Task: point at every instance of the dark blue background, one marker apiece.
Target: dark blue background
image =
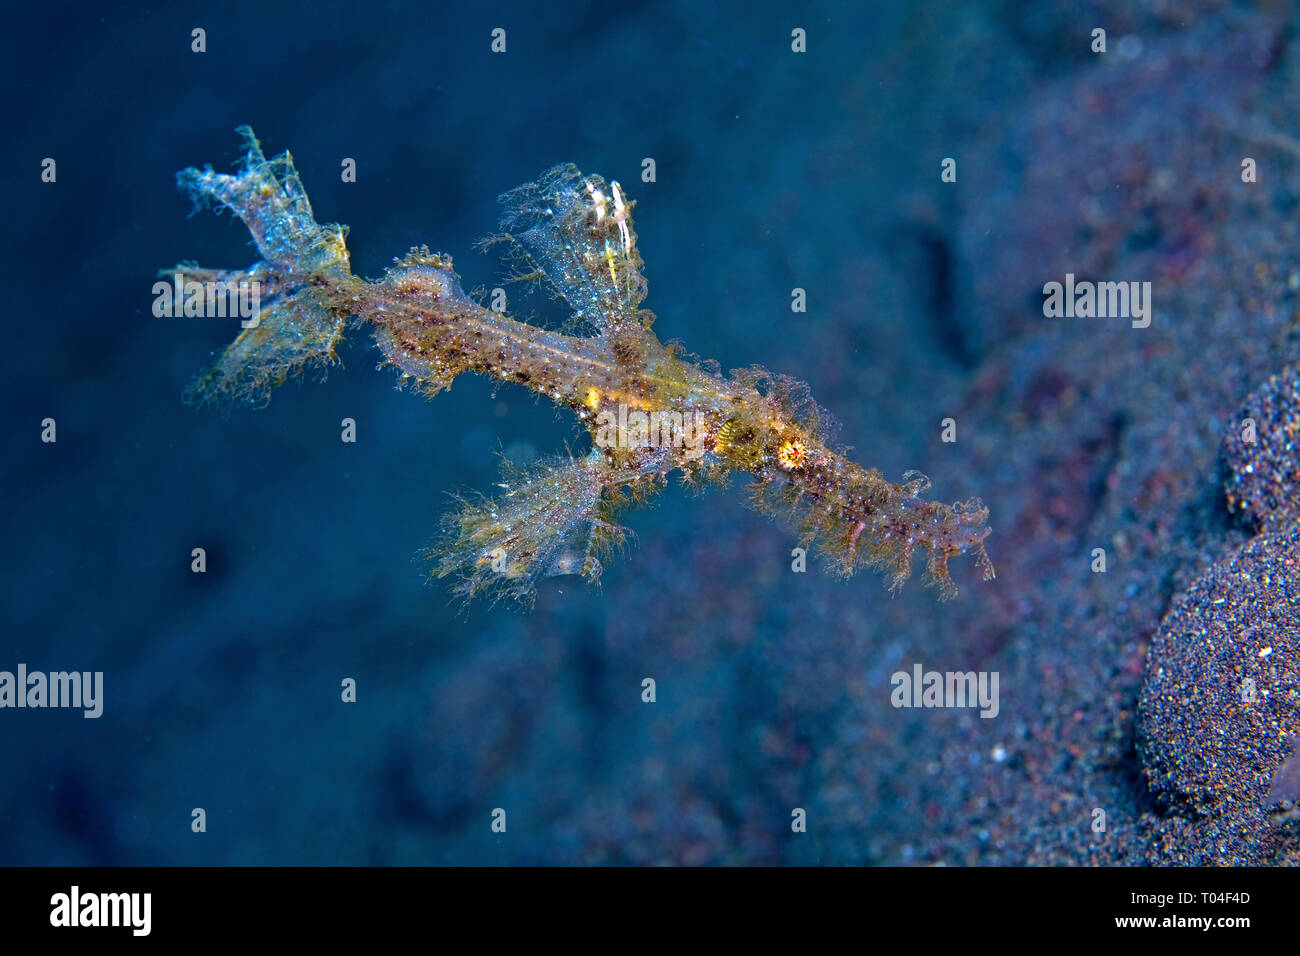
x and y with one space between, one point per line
775 170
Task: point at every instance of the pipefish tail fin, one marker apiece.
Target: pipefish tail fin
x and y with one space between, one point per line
554 519
303 284
574 233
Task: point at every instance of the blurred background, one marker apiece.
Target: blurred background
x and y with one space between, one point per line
775 170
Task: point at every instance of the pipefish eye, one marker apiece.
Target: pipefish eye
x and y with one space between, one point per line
792 454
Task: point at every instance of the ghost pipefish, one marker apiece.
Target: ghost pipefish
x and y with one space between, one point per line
650 409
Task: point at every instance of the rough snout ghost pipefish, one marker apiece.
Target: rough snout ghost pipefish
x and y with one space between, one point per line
651 410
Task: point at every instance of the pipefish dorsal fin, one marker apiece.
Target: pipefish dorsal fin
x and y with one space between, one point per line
574 233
